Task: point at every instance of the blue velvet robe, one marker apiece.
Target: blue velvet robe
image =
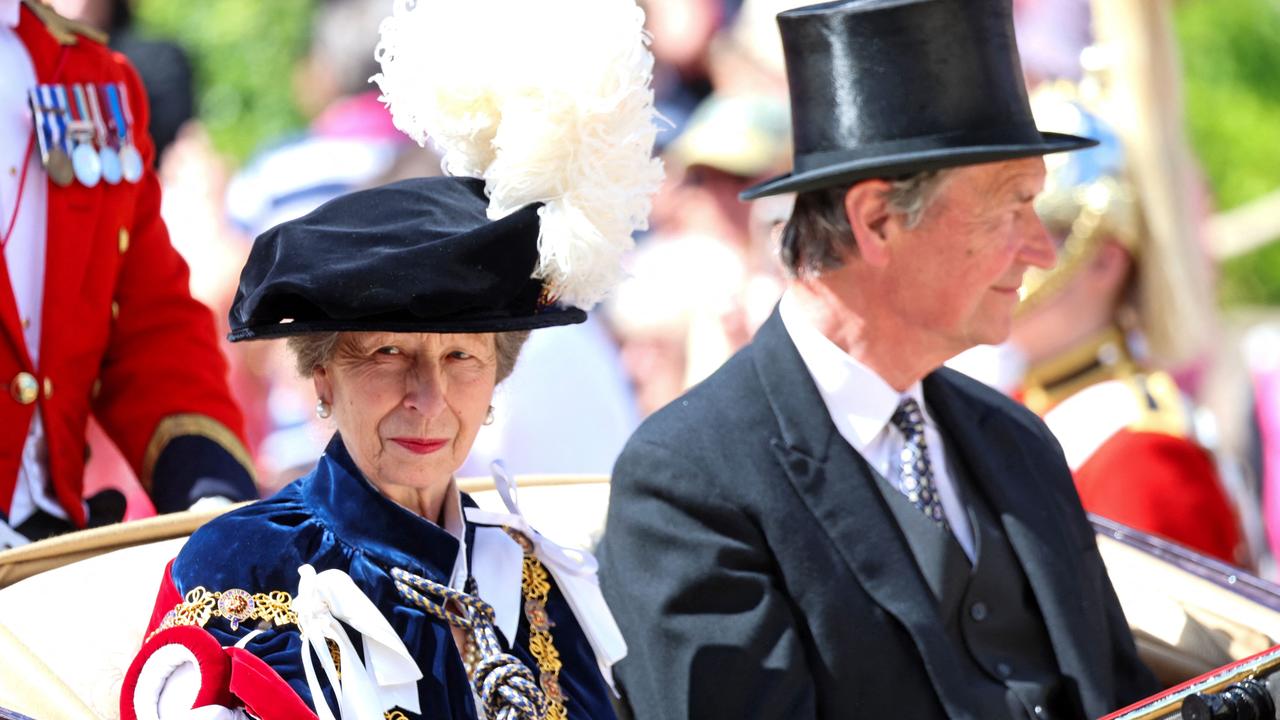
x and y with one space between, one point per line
334 519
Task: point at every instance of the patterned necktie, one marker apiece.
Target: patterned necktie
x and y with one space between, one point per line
916 481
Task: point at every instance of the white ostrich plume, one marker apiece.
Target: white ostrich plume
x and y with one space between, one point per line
546 100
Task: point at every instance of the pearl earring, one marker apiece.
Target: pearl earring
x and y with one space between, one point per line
323 411
488 418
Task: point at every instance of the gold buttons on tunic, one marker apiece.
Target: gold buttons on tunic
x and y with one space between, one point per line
24 388
96 390
124 240
48 388
115 310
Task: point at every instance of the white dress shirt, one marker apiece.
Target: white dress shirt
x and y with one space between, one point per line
24 254
861 405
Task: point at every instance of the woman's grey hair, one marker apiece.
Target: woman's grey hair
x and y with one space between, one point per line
817 238
313 350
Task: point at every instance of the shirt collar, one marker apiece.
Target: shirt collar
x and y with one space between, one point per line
10 10
859 401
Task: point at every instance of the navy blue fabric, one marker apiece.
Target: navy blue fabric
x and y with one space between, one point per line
194 467
334 519
419 255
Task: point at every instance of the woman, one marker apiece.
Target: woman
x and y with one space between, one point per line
372 587
405 365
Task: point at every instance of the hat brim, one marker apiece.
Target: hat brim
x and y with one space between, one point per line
912 162
549 318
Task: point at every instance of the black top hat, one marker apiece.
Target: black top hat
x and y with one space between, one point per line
415 256
881 88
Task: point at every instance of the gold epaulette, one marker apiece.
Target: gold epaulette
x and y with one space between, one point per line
1104 356
1164 409
65 30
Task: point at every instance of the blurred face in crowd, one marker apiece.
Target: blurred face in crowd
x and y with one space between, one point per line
1085 304
409 405
681 30
951 281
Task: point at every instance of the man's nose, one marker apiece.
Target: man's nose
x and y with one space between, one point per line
1038 247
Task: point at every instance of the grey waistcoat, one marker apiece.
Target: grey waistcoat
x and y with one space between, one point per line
988 608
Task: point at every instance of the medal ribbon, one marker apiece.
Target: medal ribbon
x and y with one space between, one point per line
99 125
63 118
55 115
82 109
40 120
128 114
117 119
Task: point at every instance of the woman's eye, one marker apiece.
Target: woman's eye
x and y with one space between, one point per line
388 350
460 355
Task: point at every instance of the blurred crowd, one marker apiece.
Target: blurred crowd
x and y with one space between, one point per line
703 277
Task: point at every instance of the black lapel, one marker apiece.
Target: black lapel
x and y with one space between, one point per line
837 487
1000 467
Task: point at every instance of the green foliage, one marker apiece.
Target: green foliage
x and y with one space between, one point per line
243 52
1231 60
1252 279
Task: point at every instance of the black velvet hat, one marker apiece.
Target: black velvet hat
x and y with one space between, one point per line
419 255
882 88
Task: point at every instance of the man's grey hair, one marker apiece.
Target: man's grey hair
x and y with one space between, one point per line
313 350
818 237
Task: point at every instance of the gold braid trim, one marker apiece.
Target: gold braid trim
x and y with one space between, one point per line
175 426
535 585
199 606
1105 356
62 29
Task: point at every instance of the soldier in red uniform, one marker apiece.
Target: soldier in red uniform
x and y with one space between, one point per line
1097 328
95 311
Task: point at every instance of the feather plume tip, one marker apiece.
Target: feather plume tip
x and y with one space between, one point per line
548 102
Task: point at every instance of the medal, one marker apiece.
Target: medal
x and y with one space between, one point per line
59 163
130 159
107 153
84 158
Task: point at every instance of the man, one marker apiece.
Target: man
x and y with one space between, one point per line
831 526
95 312
1095 328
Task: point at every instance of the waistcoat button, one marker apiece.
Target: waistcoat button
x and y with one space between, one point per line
978 611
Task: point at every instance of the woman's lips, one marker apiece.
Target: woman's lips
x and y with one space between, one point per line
419 446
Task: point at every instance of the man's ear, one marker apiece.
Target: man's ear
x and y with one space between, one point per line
866 205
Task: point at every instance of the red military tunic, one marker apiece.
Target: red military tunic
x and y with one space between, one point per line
1162 484
121 336
1127 438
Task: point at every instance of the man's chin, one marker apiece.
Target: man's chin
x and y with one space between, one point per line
995 334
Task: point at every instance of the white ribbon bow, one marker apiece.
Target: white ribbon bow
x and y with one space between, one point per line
387 678
574 572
